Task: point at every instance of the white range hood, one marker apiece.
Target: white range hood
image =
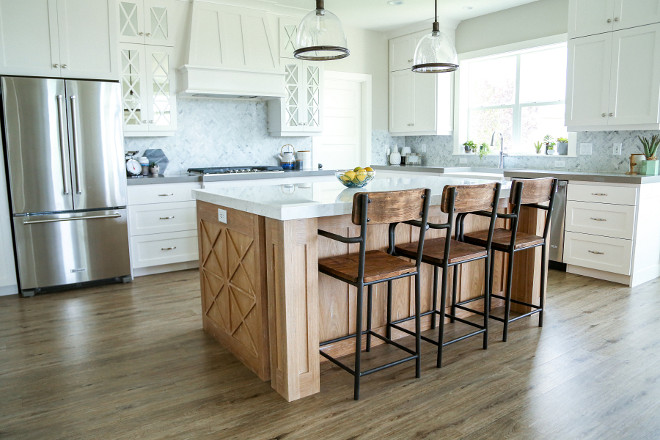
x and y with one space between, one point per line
233 53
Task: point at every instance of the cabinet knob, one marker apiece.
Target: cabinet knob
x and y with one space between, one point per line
611 114
411 125
609 20
604 115
410 60
64 66
616 19
148 34
56 66
141 34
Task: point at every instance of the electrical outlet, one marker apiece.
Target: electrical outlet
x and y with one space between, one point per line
462 161
616 149
222 216
560 163
586 148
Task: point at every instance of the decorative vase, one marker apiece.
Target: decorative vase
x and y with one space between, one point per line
650 167
550 151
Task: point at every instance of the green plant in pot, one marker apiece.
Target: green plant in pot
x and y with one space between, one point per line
470 147
538 146
484 150
650 166
549 145
562 146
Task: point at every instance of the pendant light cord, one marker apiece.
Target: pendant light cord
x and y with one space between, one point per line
436 10
436 25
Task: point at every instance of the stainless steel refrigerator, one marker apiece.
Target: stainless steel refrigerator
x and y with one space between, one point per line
67 185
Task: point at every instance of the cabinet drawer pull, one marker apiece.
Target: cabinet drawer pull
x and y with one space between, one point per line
166 195
596 219
599 194
596 252
174 247
411 125
167 218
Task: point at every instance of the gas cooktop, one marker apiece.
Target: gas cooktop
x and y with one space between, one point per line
236 170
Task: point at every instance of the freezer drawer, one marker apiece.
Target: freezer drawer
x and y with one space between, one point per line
58 249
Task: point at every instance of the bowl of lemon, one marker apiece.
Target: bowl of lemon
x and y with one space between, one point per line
357 177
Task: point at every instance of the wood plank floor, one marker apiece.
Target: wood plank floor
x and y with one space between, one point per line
131 362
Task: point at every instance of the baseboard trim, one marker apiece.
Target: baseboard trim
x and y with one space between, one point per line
599 274
9 290
143 271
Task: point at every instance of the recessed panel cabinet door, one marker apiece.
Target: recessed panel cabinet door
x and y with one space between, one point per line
588 82
402 109
88 40
588 17
629 13
29 38
402 51
425 101
635 77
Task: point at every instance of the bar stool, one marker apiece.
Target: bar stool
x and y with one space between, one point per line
531 193
366 268
446 253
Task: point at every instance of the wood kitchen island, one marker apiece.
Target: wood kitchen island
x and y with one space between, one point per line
263 297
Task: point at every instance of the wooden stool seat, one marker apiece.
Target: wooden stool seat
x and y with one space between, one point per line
502 239
434 251
378 265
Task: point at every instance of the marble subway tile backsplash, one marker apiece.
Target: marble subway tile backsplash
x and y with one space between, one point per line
218 132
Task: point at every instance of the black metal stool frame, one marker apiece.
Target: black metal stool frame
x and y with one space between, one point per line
360 284
511 250
481 329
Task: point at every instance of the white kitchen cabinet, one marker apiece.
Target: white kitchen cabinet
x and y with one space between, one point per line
420 104
8 284
402 51
611 231
614 80
145 22
589 17
59 38
299 112
162 227
147 90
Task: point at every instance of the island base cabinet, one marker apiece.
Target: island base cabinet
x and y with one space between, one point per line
234 302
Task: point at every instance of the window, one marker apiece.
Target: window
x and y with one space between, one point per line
520 94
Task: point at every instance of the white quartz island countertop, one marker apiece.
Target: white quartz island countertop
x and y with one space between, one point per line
325 196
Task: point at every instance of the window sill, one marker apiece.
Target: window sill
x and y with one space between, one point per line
549 156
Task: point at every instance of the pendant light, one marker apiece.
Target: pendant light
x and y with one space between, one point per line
434 52
320 36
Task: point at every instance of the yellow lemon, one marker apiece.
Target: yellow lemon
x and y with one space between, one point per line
344 178
350 175
356 169
361 175
369 169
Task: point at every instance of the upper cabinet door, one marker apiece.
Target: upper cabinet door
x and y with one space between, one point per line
134 88
402 103
402 52
425 95
587 85
157 23
588 17
288 34
629 13
162 102
88 39
635 83
29 42
131 21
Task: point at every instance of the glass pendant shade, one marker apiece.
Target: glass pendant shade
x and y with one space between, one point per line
435 54
320 36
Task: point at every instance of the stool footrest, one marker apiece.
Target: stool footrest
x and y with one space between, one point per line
467 301
445 343
390 364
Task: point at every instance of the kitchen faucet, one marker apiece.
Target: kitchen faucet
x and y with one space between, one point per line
492 144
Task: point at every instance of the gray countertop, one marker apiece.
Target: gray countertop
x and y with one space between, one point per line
151 180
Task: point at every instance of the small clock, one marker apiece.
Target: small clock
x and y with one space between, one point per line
133 167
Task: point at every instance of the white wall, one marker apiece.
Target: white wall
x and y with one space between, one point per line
527 22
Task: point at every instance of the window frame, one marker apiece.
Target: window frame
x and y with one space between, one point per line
461 112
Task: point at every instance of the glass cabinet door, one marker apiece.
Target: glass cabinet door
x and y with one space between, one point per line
161 102
132 85
157 23
313 94
292 100
131 21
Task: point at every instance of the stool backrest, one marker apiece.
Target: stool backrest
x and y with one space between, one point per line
390 206
469 198
534 192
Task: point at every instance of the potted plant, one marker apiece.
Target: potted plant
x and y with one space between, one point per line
562 146
650 166
484 149
470 147
549 145
538 146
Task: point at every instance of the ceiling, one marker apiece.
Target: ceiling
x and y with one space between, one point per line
381 16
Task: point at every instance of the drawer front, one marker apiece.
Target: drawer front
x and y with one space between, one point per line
617 195
617 221
162 217
159 193
596 252
154 250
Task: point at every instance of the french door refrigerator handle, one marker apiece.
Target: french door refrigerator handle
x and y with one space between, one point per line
70 219
60 117
74 129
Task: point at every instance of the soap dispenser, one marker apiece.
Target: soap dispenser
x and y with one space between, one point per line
395 156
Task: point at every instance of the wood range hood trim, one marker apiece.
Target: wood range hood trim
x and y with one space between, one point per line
232 53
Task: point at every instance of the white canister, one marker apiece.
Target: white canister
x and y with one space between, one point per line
305 159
